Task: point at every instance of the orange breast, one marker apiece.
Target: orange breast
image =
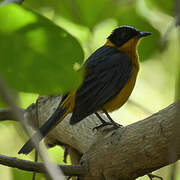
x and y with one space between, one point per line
123 95
130 49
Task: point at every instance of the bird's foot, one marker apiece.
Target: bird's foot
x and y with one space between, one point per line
114 124
151 176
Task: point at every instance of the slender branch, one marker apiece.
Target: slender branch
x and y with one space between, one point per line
10 99
6 114
68 170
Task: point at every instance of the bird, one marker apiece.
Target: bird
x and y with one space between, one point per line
109 76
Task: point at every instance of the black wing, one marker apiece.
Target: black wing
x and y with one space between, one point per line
107 72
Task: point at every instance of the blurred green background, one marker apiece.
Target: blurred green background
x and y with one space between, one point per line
43 41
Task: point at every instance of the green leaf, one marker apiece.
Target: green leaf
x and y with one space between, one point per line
148 46
165 6
92 11
2 105
21 175
83 12
37 56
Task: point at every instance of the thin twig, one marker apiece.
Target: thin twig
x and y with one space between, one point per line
9 98
6 114
68 170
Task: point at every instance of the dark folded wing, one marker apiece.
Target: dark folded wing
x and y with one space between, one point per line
104 80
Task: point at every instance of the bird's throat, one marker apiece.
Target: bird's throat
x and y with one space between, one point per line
129 48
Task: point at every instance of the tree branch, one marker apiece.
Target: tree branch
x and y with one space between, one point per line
136 150
8 96
71 170
116 152
6 114
127 153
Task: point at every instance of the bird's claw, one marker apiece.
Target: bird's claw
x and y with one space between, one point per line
115 125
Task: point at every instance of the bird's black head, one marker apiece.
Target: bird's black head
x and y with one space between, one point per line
122 34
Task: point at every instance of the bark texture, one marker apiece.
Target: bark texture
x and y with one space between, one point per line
136 150
124 153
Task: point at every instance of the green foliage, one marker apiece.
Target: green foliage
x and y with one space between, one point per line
22 175
2 104
86 12
177 90
165 6
36 55
90 13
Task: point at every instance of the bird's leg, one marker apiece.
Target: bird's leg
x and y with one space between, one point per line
104 123
151 176
100 118
112 121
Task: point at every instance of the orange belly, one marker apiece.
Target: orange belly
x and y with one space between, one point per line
128 48
123 95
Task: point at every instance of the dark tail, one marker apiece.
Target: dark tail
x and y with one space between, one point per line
57 116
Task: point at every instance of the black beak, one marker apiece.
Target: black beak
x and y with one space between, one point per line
143 34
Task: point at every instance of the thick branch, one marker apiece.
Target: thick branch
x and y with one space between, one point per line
131 152
127 153
72 170
136 150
